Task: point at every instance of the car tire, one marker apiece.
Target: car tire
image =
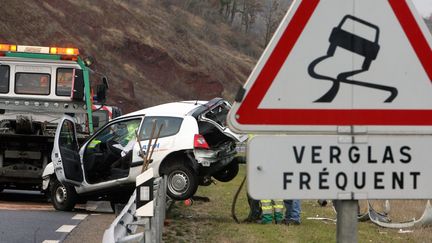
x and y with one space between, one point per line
182 183
228 173
63 197
117 207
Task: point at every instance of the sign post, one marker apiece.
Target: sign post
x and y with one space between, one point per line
349 84
346 226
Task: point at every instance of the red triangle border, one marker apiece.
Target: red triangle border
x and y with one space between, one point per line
249 114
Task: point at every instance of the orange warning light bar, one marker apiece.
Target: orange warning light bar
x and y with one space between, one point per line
64 51
7 47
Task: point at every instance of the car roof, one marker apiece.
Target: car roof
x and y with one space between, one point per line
178 109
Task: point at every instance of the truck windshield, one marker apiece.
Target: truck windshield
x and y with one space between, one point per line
4 79
32 83
64 81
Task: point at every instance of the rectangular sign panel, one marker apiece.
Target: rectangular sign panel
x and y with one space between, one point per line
340 167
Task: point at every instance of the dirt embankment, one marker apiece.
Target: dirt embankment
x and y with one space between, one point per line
150 53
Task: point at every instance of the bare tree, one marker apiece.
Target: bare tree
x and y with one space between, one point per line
250 9
225 8
234 10
271 14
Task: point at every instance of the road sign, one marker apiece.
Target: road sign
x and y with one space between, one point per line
339 167
341 63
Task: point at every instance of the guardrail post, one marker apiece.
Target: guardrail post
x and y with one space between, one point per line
146 208
144 194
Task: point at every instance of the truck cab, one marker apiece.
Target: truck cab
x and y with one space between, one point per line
38 85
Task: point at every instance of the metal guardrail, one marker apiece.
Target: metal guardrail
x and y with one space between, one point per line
126 227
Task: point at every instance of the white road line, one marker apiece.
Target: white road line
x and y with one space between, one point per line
66 228
79 216
50 241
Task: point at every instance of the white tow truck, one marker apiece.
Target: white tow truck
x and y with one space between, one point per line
38 85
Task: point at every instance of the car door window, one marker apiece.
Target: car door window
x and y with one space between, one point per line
68 146
171 126
108 155
68 139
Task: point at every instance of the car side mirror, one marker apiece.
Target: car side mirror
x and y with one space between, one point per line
78 85
88 61
95 121
105 82
101 90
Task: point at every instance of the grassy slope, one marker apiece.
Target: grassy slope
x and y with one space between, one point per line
212 222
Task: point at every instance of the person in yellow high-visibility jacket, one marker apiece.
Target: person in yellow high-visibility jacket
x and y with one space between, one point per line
272 209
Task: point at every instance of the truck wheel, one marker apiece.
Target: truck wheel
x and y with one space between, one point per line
182 182
228 173
63 197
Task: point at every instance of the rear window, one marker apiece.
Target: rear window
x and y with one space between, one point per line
4 79
32 83
171 126
218 114
64 81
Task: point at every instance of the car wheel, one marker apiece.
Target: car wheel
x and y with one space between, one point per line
228 173
117 207
63 197
182 182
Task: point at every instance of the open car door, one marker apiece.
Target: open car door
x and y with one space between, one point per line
65 155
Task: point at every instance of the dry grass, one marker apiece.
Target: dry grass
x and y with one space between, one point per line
212 222
188 53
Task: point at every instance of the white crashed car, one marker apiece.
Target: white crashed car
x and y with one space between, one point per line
193 146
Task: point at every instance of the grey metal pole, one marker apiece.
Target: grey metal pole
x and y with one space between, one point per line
346 226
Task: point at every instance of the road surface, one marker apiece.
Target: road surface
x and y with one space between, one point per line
26 216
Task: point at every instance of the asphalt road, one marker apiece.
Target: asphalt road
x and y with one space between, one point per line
35 226
26 216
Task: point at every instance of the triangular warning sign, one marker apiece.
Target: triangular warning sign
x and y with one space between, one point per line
341 63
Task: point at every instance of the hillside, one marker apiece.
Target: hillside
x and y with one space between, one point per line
151 53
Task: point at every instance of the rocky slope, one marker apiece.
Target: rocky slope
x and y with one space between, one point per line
151 53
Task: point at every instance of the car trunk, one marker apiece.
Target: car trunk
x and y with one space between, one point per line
221 147
221 141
